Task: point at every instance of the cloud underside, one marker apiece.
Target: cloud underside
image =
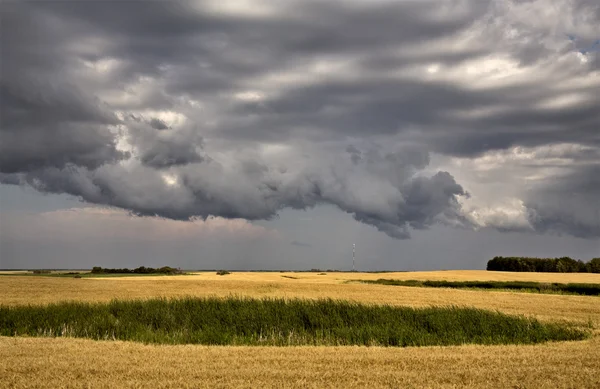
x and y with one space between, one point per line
404 114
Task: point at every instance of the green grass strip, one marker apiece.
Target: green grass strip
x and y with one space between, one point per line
525 286
278 322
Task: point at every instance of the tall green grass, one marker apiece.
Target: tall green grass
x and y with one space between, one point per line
242 321
526 286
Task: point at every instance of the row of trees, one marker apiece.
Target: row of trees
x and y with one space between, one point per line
137 270
547 265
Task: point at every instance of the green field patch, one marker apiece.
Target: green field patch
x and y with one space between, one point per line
277 322
524 286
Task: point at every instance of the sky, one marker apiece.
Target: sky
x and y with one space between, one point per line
255 134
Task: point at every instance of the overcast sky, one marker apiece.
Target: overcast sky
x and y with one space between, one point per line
274 134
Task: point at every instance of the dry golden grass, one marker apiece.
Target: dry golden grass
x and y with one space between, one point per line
26 362
40 362
448 275
42 290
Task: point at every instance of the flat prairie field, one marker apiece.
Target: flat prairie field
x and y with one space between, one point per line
69 362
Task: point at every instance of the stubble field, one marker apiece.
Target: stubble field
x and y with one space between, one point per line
66 362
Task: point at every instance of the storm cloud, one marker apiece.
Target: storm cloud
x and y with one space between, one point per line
401 114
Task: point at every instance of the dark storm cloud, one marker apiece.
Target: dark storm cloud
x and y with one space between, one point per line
388 107
182 31
45 119
164 147
52 125
355 154
158 124
568 205
382 191
164 154
300 244
82 82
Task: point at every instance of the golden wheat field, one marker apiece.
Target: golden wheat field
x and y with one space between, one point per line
63 362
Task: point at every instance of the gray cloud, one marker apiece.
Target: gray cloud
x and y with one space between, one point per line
164 147
158 124
568 205
300 244
183 110
165 154
46 119
382 191
355 154
53 125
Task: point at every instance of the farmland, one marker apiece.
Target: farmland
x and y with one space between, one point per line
25 361
532 287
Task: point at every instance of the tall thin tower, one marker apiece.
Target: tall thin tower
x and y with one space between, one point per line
353 255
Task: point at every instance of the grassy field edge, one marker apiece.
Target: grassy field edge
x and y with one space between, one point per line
521 286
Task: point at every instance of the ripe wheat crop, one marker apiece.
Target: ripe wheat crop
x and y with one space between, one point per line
526 286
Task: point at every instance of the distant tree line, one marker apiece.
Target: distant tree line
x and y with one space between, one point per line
137 270
544 265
